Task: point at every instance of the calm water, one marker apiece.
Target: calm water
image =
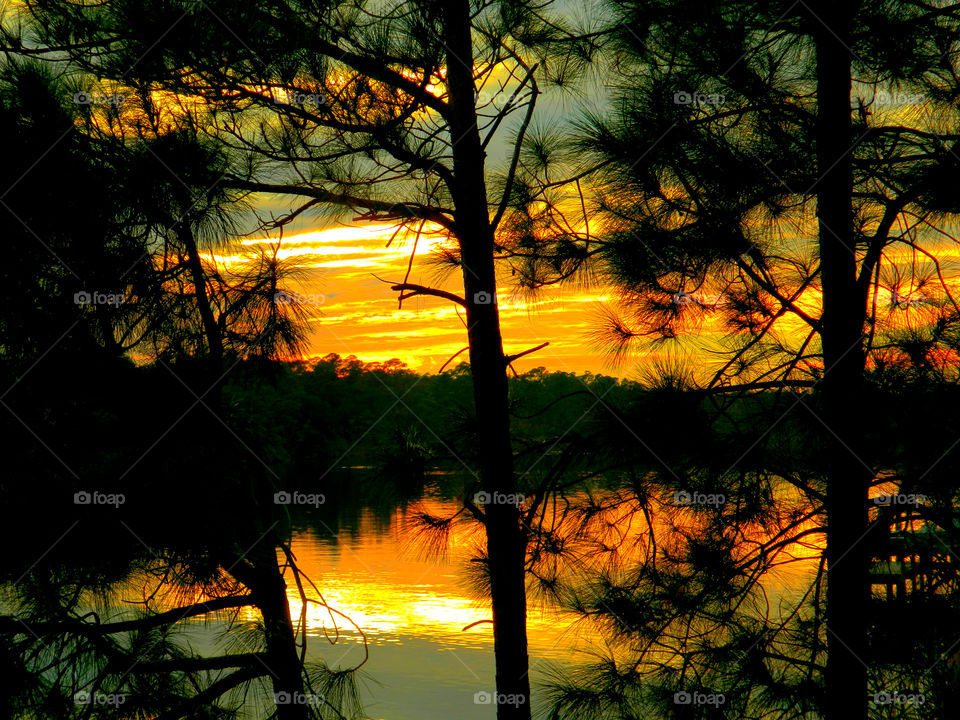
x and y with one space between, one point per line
413 609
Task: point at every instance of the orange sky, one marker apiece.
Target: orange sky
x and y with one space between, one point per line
354 313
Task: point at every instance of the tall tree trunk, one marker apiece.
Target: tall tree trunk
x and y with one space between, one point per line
506 541
843 315
263 577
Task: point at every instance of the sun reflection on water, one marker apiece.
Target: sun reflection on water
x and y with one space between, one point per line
392 592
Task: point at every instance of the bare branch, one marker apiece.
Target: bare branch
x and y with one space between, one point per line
415 290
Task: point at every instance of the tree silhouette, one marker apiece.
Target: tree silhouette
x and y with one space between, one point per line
747 194
136 235
385 111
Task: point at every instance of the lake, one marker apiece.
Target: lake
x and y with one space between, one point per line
430 649
413 607
413 610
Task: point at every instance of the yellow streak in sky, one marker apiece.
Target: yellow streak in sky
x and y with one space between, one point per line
359 314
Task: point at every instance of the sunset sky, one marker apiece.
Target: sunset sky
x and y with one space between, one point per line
354 313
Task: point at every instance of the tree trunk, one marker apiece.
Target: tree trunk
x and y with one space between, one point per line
262 576
842 328
506 541
211 330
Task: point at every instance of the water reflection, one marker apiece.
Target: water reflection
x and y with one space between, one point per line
413 610
380 578
430 650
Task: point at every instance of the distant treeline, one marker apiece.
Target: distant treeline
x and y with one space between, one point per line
313 416
308 423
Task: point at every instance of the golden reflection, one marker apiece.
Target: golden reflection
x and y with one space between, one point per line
395 593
